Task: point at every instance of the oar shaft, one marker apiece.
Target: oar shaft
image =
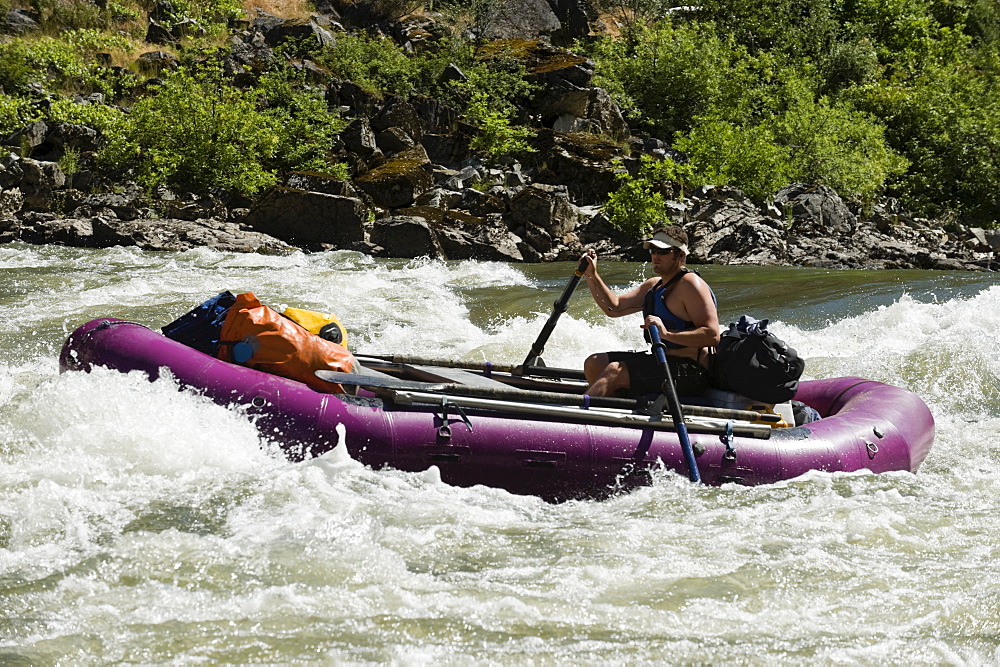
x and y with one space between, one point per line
572 415
670 391
527 395
558 309
484 366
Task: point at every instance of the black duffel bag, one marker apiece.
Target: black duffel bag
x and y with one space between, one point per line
755 363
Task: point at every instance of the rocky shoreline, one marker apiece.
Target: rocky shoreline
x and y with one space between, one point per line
528 222
418 189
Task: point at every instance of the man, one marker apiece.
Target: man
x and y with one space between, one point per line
678 302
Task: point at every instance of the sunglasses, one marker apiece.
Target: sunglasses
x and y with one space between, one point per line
663 251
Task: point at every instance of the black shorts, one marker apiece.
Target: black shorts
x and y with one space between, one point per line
646 375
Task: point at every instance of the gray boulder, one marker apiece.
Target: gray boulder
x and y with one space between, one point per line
485 239
393 140
815 209
316 181
38 183
49 141
147 234
588 110
545 207
303 217
518 19
128 205
399 114
407 236
154 62
11 202
725 227
21 21
359 138
10 170
157 33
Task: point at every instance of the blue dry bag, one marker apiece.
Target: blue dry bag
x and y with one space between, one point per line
200 328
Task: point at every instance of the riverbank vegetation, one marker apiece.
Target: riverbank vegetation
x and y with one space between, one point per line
871 97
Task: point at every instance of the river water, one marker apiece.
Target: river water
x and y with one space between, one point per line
143 524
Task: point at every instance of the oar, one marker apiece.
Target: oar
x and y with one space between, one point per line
576 416
547 397
670 391
484 366
558 309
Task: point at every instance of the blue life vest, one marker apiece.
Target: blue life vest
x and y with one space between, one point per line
655 303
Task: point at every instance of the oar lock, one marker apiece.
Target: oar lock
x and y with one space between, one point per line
727 440
870 446
444 431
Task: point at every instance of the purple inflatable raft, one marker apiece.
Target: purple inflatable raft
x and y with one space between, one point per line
557 452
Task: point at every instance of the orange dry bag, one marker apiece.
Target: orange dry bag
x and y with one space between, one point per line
256 336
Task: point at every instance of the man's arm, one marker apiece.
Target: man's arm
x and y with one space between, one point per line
614 305
697 307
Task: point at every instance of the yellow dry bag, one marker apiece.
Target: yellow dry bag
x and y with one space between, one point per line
324 325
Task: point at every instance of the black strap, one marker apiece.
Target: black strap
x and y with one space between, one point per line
647 304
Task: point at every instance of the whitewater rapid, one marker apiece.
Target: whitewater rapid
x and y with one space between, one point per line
140 523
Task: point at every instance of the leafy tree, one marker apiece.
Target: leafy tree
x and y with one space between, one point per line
835 145
374 63
946 121
674 74
795 28
848 64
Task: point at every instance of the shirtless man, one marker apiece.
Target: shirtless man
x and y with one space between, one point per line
678 302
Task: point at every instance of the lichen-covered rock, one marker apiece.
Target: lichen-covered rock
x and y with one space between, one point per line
400 181
582 162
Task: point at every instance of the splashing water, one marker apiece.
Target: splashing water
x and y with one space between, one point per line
140 523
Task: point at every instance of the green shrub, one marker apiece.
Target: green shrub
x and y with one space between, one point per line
637 207
306 129
901 30
212 15
946 121
497 135
673 74
195 133
375 64
53 63
796 28
15 113
71 14
88 42
634 16
835 145
499 81
98 116
723 153
848 64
